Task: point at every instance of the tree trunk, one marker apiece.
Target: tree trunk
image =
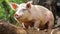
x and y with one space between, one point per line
35 2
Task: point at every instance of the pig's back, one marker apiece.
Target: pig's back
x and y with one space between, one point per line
41 13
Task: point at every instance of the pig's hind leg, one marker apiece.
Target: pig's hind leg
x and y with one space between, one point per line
50 25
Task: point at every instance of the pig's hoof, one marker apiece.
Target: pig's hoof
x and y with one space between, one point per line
37 29
45 30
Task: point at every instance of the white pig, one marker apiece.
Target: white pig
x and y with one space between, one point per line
31 15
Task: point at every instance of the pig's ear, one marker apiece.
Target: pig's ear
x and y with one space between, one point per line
13 5
28 5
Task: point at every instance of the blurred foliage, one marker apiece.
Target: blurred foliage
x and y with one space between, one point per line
6 13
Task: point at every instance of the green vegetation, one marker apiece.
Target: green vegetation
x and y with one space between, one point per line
6 13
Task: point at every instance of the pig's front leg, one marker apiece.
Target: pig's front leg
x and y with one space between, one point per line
36 25
23 25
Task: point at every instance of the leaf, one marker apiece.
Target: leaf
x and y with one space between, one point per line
7 1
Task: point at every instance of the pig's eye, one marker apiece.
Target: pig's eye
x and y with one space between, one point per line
23 9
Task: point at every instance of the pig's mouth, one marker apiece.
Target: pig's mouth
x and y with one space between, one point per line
18 19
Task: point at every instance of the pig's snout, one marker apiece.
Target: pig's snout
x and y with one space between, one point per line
16 15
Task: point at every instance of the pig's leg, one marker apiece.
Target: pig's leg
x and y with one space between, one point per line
26 25
50 25
23 25
36 25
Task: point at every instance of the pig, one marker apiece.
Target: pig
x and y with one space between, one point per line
35 16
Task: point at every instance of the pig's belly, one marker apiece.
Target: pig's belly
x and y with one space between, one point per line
45 19
44 23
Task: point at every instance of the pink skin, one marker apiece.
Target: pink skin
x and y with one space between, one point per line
33 15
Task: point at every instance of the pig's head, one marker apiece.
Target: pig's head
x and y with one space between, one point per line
22 10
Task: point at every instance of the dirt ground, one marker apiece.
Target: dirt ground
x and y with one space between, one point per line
54 31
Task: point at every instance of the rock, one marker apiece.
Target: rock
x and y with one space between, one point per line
7 28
